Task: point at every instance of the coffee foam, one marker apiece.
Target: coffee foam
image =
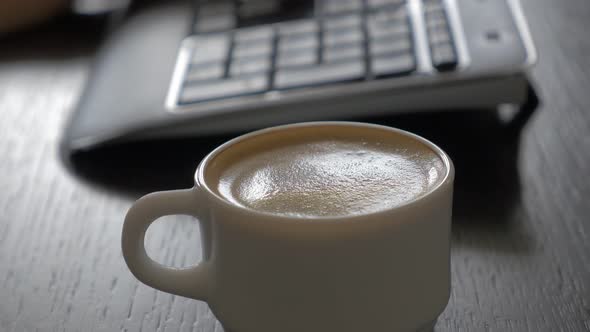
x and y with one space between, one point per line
325 174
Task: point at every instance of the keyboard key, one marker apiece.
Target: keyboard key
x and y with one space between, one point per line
436 18
253 9
431 6
393 65
264 33
216 8
380 3
208 71
308 26
340 6
298 42
390 46
439 36
389 15
322 74
353 51
215 23
343 22
233 87
333 38
443 57
252 49
306 57
387 29
249 66
212 47
215 16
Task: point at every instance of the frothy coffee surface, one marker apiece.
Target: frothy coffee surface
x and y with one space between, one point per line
329 176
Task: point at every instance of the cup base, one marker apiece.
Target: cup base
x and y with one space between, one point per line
429 327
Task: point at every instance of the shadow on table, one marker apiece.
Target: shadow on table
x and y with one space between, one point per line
483 147
135 169
485 151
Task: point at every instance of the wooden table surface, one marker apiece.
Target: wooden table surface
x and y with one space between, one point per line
521 229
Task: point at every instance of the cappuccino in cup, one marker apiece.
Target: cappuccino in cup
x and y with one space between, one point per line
324 226
326 172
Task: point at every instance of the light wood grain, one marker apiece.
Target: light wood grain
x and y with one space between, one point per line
521 233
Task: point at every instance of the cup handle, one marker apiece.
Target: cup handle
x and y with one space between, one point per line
189 282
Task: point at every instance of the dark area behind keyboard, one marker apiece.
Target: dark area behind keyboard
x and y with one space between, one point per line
253 47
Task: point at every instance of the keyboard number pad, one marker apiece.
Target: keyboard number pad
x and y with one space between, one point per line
442 48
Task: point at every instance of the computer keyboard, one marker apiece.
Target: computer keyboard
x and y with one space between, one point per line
222 67
345 41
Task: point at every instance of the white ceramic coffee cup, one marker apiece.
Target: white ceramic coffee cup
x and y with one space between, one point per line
384 271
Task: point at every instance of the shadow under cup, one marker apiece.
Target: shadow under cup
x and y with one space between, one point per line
387 270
